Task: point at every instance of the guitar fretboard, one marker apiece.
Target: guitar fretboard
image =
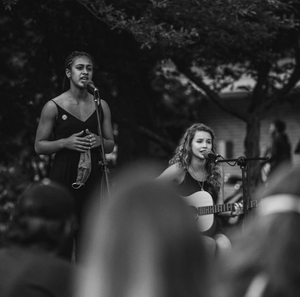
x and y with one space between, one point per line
203 210
215 209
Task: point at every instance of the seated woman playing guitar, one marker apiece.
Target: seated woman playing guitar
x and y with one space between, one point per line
199 179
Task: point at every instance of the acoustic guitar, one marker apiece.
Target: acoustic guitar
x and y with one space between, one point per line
204 208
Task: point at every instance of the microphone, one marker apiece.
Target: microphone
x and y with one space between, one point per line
90 87
209 155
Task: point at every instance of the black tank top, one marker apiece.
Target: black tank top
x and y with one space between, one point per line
65 163
189 186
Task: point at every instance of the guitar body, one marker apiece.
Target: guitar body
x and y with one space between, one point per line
203 208
201 199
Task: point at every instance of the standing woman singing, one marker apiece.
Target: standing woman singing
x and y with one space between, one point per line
68 128
195 176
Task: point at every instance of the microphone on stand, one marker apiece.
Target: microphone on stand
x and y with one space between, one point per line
90 87
209 155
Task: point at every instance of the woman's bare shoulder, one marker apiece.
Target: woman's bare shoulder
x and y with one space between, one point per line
50 108
60 99
174 173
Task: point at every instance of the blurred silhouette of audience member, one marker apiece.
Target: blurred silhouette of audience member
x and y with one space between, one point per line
297 148
279 150
42 222
144 243
265 258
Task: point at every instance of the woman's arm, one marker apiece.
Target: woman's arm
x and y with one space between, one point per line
108 136
107 131
45 145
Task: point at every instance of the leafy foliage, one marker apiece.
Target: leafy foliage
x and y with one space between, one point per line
9 3
225 39
210 43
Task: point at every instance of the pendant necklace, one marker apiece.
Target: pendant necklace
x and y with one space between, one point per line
201 184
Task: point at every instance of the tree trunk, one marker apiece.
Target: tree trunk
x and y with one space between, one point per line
253 151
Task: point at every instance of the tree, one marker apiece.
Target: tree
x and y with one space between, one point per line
225 39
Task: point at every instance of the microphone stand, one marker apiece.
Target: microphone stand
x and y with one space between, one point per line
242 162
102 163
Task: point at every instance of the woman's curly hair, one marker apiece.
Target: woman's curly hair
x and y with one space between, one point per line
183 154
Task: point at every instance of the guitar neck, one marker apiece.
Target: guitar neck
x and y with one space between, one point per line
215 208
203 210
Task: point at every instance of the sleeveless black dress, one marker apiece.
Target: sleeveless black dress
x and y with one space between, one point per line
65 163
190 186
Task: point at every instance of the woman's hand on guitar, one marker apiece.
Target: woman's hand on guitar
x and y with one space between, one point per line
238 209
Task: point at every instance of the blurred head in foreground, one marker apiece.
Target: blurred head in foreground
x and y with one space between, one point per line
144 242
44 217
265 257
